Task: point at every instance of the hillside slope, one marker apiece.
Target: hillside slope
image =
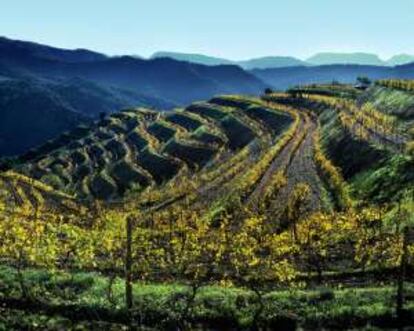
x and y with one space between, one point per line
175 81
345 58
312 188
30 115
141 150
283 78
34 111
255 63
84 84
137 148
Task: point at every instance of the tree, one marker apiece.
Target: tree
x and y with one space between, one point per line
268 91
28 240
256 256
382 240
364 80
102 115
298 200
319 236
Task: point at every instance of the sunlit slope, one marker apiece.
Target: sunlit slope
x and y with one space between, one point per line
333 142
368 136
18 192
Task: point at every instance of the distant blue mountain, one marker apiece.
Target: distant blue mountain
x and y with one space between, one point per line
193 58
257 63
269 62
283 78
44 90
10 48
358 58
345 58
400 59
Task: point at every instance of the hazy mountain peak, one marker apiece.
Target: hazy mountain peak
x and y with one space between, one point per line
192 57
360 58
255 63
271 62
11 48
400 59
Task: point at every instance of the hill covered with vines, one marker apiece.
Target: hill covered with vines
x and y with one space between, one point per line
295 190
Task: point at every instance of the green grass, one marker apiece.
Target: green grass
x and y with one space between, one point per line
238 134
163 304
349 153
134 139
207 138
78 157
207 111
195 156
126 175
188 123
391 101
277 122
230 101
117 149
102 187
102 134
161 132
160 168
394 174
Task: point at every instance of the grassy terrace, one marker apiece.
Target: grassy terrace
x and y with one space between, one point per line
133 148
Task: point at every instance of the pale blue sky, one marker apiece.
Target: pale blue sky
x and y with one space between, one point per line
228 28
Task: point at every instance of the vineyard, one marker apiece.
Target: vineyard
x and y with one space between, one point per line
293 209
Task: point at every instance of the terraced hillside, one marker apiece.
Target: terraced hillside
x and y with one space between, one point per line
369 137
312 186
137 149
227 150
21 192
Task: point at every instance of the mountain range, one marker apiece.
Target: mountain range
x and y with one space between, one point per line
284 78
290 61
46 90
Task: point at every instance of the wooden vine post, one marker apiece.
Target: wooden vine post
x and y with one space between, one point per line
408 239
128 265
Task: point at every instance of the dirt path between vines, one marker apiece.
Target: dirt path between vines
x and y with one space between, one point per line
299 167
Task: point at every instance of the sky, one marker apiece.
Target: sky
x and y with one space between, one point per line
226 28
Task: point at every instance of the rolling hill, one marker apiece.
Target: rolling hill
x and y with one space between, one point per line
89 83
400 59
33 111
358 59
11 48
166 79
345 58
30 114
256 63
283 78
82 84
140 149
134 149
193 58
270 62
